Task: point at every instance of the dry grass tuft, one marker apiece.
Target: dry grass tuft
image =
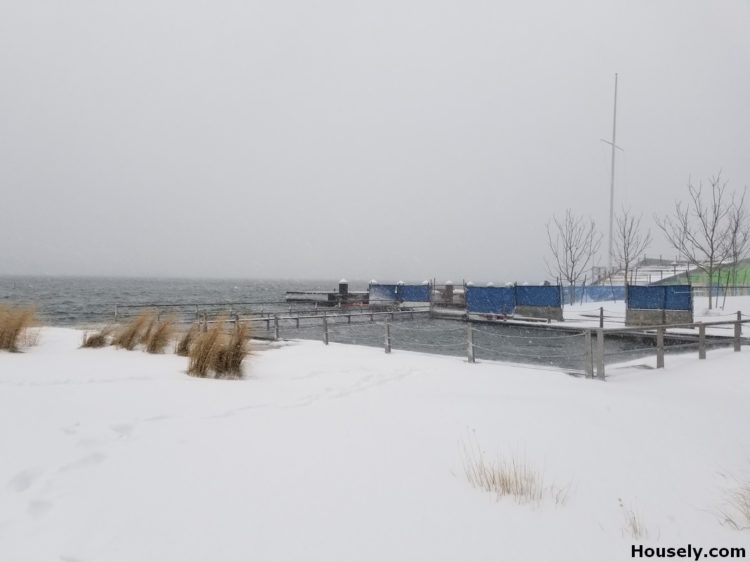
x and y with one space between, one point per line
232 351
30 336
634 527
97 339
184 343
737 515
204 350
152 319
514 478
14 327
132 333
159 335
736 511
218 354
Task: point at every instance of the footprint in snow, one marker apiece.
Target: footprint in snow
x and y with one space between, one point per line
23 480
123 430
39 508
70 430
156 418
84 462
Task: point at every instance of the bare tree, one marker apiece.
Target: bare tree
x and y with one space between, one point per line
699 230
739 232
630 241
573 242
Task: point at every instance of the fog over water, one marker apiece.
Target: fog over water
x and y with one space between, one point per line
392 140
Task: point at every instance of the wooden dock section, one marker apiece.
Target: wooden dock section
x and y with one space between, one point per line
341 297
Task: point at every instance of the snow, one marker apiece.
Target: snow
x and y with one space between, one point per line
339 453
586 315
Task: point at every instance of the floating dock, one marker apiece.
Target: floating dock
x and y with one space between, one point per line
341 297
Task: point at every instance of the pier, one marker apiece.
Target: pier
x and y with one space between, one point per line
340 297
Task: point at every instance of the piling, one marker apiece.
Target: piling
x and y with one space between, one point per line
470 343
660 348
738 332
588 355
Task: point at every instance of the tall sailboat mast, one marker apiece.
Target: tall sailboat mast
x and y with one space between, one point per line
613 144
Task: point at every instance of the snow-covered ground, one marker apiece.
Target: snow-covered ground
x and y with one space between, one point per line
344 453
587 314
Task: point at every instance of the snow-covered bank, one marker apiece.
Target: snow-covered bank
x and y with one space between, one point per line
587 314
344 453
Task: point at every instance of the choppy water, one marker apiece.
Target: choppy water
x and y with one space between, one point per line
77 301
70 301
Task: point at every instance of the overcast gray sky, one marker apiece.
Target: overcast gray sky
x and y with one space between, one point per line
391 139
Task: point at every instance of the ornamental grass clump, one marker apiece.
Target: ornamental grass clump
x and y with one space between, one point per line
14 325
97 339
203 352
159 335
132 333
183 344
217 354
232 351
152 319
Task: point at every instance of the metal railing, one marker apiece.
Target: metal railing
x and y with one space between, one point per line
586 345
595 352
581 351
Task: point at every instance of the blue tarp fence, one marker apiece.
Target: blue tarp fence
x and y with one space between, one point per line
538 295
503 300
490 300
382 293
661 297
414 293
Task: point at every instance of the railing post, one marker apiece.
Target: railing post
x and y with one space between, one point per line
205 322
601 317
660 348
738 332
600 354
275 326
325 330
588 355
470 342
116 312
197 314
701 340
387 342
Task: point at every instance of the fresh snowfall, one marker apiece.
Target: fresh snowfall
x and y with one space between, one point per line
345 453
